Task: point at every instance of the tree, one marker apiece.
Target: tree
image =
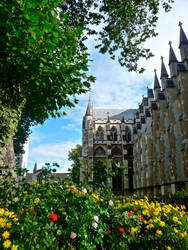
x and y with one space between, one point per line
42 65
74 156
122 26
43 59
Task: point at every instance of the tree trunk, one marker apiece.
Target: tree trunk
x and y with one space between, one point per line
7 157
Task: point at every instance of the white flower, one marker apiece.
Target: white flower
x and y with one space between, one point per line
96 218
94 224
84 191
110 203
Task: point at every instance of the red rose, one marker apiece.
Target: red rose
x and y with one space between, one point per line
52 217
130 214
121 229
109 231
141 217
133 209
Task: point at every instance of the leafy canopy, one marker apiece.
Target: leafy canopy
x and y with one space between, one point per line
42 65
123 26
43 59
74 156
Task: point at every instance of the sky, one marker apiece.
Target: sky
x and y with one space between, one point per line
114 87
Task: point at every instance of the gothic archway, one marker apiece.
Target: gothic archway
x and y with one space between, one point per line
99 151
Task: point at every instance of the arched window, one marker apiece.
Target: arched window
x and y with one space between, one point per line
116 151
127 134
114 133
100 134
99 151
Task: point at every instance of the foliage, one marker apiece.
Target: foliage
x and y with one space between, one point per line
7 221
22 133
59 215
74 156
42 65
122 26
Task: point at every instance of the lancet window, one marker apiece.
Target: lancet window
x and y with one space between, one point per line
128 134
100 134
114 133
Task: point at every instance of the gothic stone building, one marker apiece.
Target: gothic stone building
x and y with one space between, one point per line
151 141
108 133
161 129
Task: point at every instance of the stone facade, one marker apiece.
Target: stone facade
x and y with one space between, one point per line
107 133
161 129
151 141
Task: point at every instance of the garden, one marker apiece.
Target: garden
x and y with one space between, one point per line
61 215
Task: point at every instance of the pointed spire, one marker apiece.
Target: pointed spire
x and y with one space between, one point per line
163 69
172 56
89 110
108 117
156 81
123 118
183 38
35 168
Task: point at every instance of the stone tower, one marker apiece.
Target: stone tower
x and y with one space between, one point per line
108 133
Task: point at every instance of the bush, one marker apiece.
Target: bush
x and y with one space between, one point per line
60 215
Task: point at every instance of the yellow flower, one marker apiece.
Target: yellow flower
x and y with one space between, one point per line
9 225
15 219
175 230
2 211
156 212
149 226
168 248
182 235
162 223
175 219
25 192
132 231
14 247
6 234
159 232
7 244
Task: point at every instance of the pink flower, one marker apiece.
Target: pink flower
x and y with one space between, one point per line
96 218
73 235
110 203
84 191
94 224
109 231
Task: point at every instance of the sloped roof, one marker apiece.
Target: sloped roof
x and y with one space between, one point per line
114 114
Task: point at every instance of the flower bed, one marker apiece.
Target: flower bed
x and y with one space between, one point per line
61 216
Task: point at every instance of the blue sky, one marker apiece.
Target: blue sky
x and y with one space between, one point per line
114 88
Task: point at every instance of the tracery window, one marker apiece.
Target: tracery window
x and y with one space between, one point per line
100 134
116 151
128 134
99 151
114 133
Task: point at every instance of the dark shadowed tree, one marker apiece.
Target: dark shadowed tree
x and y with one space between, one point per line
74 156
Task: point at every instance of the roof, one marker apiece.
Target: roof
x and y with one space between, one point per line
114 114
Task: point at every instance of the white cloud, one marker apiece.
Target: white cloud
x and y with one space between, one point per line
115 87
52 153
